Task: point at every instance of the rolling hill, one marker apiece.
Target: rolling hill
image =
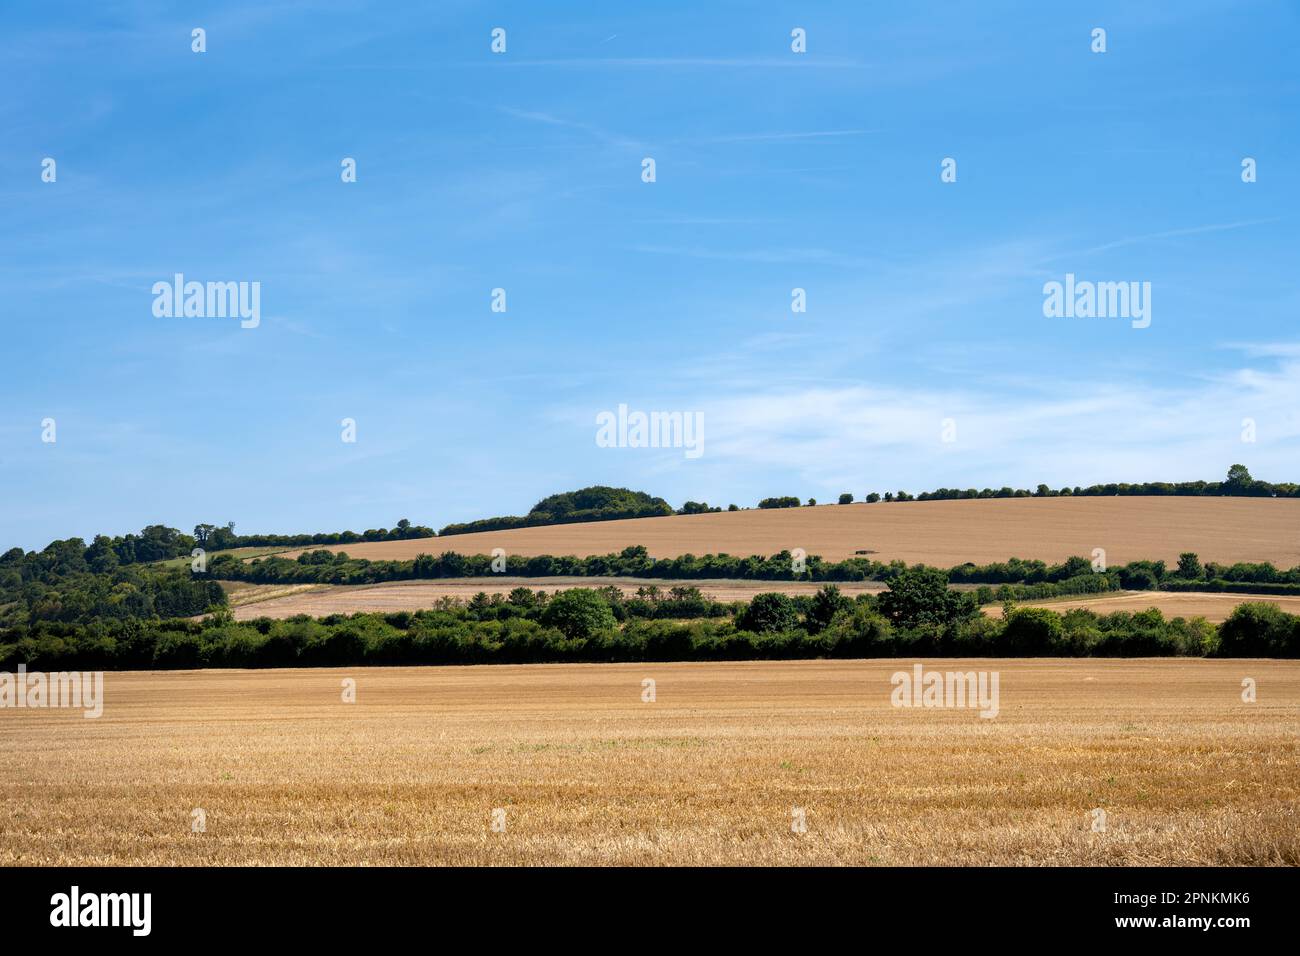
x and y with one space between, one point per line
942 533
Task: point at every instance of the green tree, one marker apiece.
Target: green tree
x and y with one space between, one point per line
525 598
100 555
222 539
1238 477
846 498
1031 632
1189 566
768 613
920 597
1259 630
578 613
826 603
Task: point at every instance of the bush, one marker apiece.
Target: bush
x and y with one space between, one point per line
860 632
919 597
1189 566
1259 630
823 607
578 613
1032 632
768 613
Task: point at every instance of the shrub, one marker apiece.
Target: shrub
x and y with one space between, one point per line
768 613
1031 632
823 607
578 613
1259 630
920 597
1189 566
860 632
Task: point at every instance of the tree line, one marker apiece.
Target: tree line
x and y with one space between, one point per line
919 615
1072 576
597 503
1237 484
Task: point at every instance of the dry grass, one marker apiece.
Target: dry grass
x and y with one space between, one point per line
942 533
319 601
1215 608
282 601
587 773
240 594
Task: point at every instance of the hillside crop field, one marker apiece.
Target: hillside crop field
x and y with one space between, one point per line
283 601
940 533
279 601
715 770
1214 607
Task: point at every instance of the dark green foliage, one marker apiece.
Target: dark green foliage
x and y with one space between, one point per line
1259 630
1141 575
1189 566
582 628
220 539
1031 632
597 503
1238 483
826 603
919 597
578 613
768 613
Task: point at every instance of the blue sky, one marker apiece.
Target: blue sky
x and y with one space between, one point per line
522 171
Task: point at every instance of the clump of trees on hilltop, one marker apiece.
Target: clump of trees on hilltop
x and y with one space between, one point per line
597 503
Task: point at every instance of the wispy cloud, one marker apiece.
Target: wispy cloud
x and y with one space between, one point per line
794 136
1167 234
549 119
806 62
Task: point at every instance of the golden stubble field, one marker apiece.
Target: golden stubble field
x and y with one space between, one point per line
279 601
941 533
711 772
1215 608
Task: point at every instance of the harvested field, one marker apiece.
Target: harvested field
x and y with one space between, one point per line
318 600
1214 607
241 594
710 772
942 533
